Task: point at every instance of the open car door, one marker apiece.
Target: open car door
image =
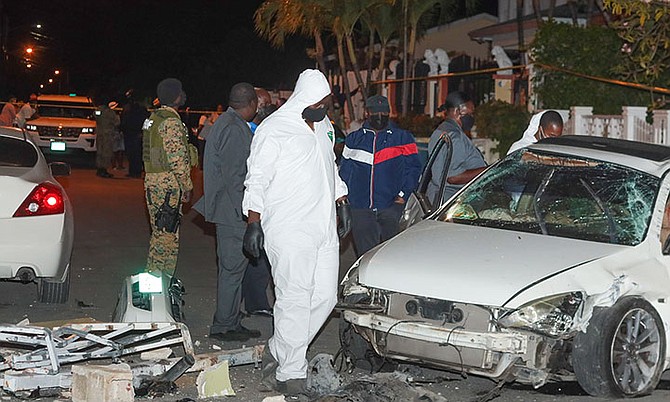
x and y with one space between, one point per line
418 204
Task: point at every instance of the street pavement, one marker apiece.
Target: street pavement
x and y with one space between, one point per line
111 241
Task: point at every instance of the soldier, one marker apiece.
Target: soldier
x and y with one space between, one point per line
168 159
106 123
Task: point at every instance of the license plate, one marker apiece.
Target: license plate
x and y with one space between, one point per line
57 146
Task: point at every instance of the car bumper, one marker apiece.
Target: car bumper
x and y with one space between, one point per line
84 142
42 243
515 343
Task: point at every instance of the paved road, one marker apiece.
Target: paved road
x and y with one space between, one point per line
111 240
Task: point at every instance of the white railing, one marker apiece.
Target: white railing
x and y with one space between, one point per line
631 124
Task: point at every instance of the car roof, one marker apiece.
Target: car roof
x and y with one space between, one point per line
64 98
13 132
650 158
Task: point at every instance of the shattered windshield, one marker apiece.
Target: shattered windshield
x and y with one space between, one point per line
559 196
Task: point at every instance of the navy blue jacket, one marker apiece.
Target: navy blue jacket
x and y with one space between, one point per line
379 166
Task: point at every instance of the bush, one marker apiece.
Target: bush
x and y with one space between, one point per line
595 51
502 122
421 125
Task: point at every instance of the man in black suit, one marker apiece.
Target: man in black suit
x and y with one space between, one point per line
226 151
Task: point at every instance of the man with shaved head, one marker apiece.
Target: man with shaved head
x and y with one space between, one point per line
226 151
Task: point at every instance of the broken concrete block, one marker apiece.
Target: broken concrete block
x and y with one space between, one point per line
215 381
276 398
156 354
110 383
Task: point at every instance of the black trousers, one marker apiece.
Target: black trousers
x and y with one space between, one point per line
371 227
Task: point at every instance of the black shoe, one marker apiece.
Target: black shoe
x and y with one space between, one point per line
261 312
295 390
268 371
103 173
235 335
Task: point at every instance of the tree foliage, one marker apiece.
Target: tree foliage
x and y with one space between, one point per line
595 51
645 28
502 122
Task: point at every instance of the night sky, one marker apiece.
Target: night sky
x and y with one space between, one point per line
105 47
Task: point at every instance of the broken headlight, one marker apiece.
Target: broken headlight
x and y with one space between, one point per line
350 285
552 316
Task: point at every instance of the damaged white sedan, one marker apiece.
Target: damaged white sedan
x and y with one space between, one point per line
552 265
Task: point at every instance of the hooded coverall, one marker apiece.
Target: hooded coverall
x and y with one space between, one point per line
292 181
528 137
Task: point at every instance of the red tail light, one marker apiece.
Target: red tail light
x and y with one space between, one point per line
45 199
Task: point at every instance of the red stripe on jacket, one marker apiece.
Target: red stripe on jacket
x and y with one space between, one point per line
393 152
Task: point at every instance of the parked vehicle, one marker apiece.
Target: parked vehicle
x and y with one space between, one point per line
62 123
552 265
36 224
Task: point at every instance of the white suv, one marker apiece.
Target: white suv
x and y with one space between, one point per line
63 122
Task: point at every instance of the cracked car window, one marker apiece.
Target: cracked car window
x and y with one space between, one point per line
561 196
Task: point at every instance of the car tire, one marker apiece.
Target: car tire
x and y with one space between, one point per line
52 291
357 349
619 341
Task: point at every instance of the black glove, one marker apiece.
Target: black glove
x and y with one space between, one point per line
253 239
343 218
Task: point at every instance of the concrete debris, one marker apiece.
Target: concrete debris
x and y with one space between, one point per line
322 378
277 398
157 354
381 387
110 383
215 381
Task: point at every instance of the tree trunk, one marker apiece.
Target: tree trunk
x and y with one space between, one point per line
405 83
382 63
371 55
354 64
318 44
537 8
519 24
345 79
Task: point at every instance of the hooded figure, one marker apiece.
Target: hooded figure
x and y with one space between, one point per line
528 137
293 184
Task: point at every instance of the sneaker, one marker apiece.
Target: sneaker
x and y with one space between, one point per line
235 335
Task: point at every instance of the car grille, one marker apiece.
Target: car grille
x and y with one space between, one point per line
441 314
46 131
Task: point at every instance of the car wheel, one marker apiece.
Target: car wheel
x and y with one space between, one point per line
356 349
622 352
50 290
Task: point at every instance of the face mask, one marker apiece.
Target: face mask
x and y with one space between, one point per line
379 121
182 102
467 121
314 115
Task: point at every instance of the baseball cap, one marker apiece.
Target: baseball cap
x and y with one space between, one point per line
377 104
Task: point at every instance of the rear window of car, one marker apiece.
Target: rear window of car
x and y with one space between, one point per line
16 152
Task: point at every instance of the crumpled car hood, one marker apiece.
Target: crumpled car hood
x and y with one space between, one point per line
472 264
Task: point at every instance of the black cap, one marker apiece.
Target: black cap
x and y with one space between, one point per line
377 104
169 90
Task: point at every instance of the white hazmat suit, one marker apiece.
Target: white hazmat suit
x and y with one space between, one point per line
292 181
528 135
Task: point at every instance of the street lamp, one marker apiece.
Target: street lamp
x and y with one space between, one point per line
57 72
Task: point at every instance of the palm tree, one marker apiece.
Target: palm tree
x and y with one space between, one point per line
382 20
275 20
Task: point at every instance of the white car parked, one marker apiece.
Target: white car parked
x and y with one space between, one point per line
552 265
36 225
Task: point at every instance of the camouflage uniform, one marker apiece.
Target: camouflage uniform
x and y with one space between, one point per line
167 163
107 123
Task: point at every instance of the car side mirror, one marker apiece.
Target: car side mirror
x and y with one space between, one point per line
60 169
